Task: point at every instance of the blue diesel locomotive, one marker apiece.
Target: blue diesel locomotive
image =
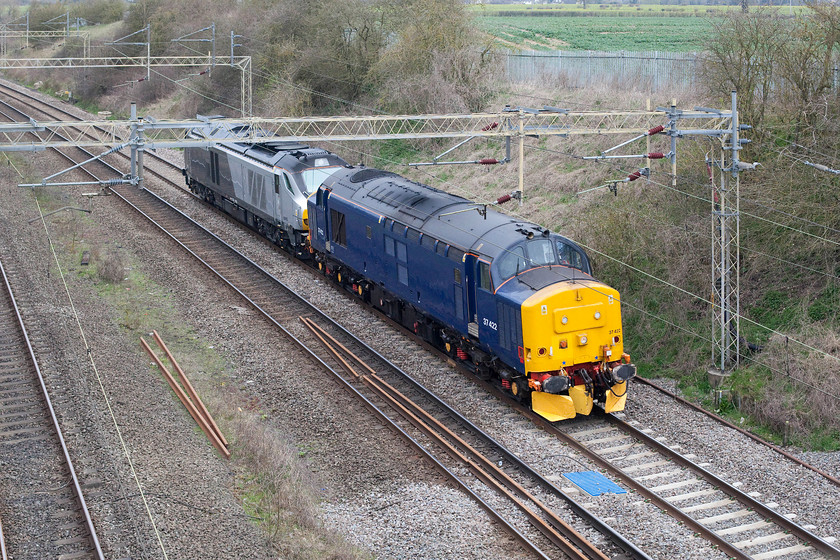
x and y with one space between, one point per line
507 298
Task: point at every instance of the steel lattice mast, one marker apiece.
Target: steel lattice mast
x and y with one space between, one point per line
726 269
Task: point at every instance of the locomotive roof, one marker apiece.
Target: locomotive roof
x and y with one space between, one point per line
445 216
292 156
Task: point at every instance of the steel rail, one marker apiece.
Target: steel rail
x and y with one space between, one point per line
481 466
3 555
71 469
745 499
340 378
749 434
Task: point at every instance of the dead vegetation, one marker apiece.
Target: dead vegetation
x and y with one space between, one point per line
275 487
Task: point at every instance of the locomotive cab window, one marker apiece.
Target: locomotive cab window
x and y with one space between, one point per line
315 177
339 230
288 184
484 276
512 262
540 252
569 256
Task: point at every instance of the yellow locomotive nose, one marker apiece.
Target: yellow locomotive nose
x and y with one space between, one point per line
567 327
576 323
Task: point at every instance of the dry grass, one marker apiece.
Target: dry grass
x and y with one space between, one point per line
796 394
275 486
110 265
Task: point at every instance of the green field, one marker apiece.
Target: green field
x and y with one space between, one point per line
600 33
594 9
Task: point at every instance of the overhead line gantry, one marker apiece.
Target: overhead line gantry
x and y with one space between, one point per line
140 134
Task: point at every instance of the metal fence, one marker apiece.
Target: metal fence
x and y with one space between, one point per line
645 71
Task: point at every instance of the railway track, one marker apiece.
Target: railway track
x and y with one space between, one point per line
738 523
42 506
282 306
719 511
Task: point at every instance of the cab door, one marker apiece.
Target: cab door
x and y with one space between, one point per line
321 229
484 318
470 273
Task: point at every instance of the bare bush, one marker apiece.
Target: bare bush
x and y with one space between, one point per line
439 62
98 11
778 64
799 390
278 486
110 265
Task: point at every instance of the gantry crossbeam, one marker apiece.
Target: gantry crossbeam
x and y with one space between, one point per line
7 35
196 132
241 62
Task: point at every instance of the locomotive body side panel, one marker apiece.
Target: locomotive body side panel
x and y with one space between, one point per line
253 187
425 273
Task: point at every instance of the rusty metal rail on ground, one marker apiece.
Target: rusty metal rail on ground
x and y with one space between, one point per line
483 468
189 398
495 516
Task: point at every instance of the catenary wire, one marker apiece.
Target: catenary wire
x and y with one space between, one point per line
677 288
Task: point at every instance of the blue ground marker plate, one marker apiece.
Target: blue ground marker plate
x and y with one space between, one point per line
594 483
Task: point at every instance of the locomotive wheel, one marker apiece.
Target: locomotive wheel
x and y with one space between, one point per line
338 277
321 267
448 348
360 290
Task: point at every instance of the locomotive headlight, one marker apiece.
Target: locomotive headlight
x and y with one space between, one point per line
597 314
564 320
582 339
